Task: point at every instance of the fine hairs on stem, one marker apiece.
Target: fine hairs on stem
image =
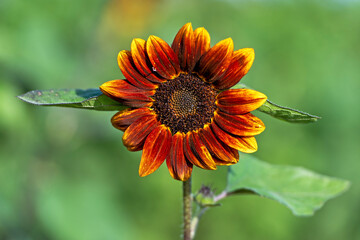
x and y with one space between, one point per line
187 204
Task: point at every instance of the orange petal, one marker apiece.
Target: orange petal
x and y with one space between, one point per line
219 162
135 135
241 125
142 62
179 168
123 91
239 101
162 57
214 63
197 153
184 46
243 144
156 149
217 149
202 43
240 64
123 119
130 72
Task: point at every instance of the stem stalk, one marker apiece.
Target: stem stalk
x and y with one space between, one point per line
187 201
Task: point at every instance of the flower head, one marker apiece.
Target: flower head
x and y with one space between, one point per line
180 106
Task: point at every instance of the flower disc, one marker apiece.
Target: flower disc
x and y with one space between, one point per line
185 103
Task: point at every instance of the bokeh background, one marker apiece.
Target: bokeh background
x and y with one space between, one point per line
64 173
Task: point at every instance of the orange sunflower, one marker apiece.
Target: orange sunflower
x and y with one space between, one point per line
180 106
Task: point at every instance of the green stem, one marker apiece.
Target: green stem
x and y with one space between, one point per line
201 210
191 222
187 200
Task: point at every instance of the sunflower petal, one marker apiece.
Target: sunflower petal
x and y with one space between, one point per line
130 72
219 162
243 144
202 43
184 46
162 57
214 62
178 166
122 89
135 104
240 64
142 62
123 119
135 135
240 101
241 125
156 150
197 153
217 149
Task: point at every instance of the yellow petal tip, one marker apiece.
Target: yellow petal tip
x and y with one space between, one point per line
228 40
188 25
136 41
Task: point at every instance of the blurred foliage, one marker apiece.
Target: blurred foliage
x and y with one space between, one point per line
64 173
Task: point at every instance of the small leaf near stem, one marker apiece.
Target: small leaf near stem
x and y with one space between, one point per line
299 189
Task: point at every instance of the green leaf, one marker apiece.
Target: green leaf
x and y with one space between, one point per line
283 113
287 114
299 189
92 99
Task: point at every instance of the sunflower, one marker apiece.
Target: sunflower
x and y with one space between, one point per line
181 107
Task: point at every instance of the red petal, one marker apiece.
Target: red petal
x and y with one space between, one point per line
136 104
240 101
178 166
240 64
202 42
135 135
214 63
243 144
197 153
123 91
123 119
162 57
142 62
218 149
241 125
130 72
156 150
184 46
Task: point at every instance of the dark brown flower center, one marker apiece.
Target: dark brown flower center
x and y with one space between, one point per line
185 103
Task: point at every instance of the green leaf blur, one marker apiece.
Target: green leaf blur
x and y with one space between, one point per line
64 173
299 189
91 99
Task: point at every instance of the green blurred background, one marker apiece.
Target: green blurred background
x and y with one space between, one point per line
64 173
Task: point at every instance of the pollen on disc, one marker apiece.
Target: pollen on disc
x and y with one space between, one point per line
185 103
